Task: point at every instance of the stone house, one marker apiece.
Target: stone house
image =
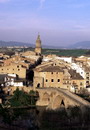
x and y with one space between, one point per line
57 76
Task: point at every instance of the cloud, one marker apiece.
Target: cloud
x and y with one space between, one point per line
79 27
41 3
3 1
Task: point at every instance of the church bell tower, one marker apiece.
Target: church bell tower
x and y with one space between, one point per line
38 48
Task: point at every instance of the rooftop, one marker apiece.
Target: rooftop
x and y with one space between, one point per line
75 75
52 69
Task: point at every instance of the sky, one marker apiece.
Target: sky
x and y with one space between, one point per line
59 22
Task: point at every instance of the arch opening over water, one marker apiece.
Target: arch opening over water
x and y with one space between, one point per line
58 102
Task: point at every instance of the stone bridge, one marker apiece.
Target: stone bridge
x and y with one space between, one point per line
54 98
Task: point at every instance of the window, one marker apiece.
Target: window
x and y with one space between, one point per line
13 69
18 69
58 80
87 82
51 72
73 82
17 66
87 78
52 80
67 82
2 69
87 73
46 80
81 83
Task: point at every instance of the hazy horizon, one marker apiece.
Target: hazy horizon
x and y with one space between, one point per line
59 23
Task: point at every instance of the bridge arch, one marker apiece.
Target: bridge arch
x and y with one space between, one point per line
56 98
58 102
46 97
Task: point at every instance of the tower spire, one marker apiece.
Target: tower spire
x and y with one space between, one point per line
38 35
38 47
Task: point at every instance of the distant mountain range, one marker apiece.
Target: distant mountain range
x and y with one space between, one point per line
78 45
14 43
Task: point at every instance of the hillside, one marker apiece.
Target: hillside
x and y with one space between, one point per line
80 45
66 52
14 43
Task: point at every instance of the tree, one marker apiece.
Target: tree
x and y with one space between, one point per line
20 98
33 96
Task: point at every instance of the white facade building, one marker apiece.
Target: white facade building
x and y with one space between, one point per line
66 59
78 69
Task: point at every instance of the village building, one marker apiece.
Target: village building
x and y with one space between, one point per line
54 71
57 75
21 63
55 57
83 68
14 69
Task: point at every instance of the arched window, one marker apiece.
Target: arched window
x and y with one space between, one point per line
38 85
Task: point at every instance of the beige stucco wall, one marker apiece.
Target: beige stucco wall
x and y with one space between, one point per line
41 77
38 82
38 50
14 69
49 76
55 76
80 83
